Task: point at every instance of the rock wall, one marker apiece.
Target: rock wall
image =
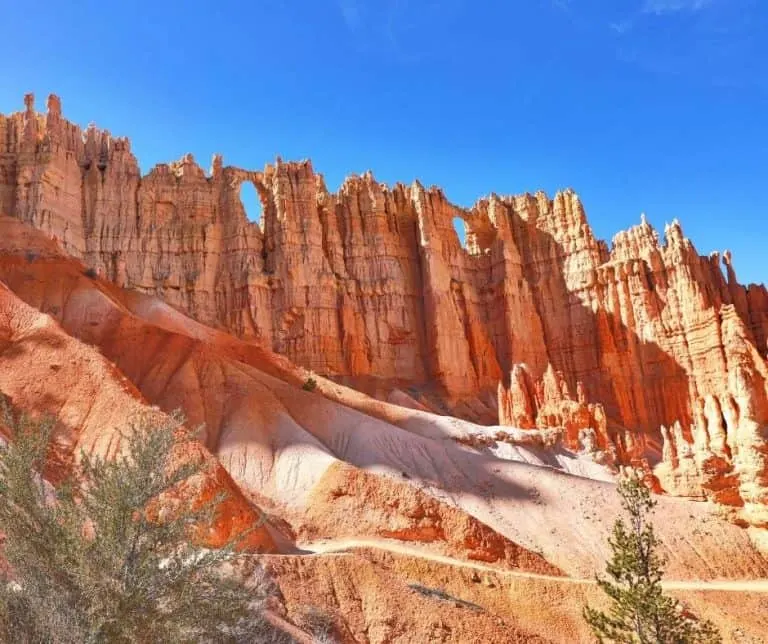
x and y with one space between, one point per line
534 316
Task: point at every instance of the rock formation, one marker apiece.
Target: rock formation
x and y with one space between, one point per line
550 404
45 372
331 463
533 320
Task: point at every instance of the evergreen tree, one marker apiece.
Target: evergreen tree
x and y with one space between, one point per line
90 560
639 611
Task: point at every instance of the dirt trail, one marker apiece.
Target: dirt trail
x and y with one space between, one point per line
347 545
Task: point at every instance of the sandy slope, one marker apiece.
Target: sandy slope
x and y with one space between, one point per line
336 464
279 443
45 372
473 604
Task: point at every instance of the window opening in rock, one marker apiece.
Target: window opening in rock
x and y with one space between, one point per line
460 226
249 197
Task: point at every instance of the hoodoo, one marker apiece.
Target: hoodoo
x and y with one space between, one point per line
642 349
420 432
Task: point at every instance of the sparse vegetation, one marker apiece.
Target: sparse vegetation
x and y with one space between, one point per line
91 273
98 558
639 612
309 384
319 624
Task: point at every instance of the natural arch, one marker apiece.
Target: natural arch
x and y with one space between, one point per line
460 226
249 198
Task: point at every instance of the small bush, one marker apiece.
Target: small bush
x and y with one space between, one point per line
91 272
89 561
310 384
319 624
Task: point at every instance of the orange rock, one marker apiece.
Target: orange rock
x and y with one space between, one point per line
45 372
372 282
414 475
549 404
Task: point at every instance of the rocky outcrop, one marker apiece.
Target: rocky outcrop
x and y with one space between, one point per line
44 372
289 451
532 319
724 453
348 502
549 404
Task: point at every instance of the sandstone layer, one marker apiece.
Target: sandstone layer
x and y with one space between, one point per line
445 527
46 373
337 464
644 349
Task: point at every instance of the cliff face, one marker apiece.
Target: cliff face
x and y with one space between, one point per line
534 319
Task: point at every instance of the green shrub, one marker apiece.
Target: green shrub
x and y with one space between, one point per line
319 624
639 612
88 562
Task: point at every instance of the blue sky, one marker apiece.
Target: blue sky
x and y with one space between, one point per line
640 105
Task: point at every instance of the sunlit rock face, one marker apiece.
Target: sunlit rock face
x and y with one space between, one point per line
642 349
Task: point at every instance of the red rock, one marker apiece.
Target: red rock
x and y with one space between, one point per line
45 372
372 282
